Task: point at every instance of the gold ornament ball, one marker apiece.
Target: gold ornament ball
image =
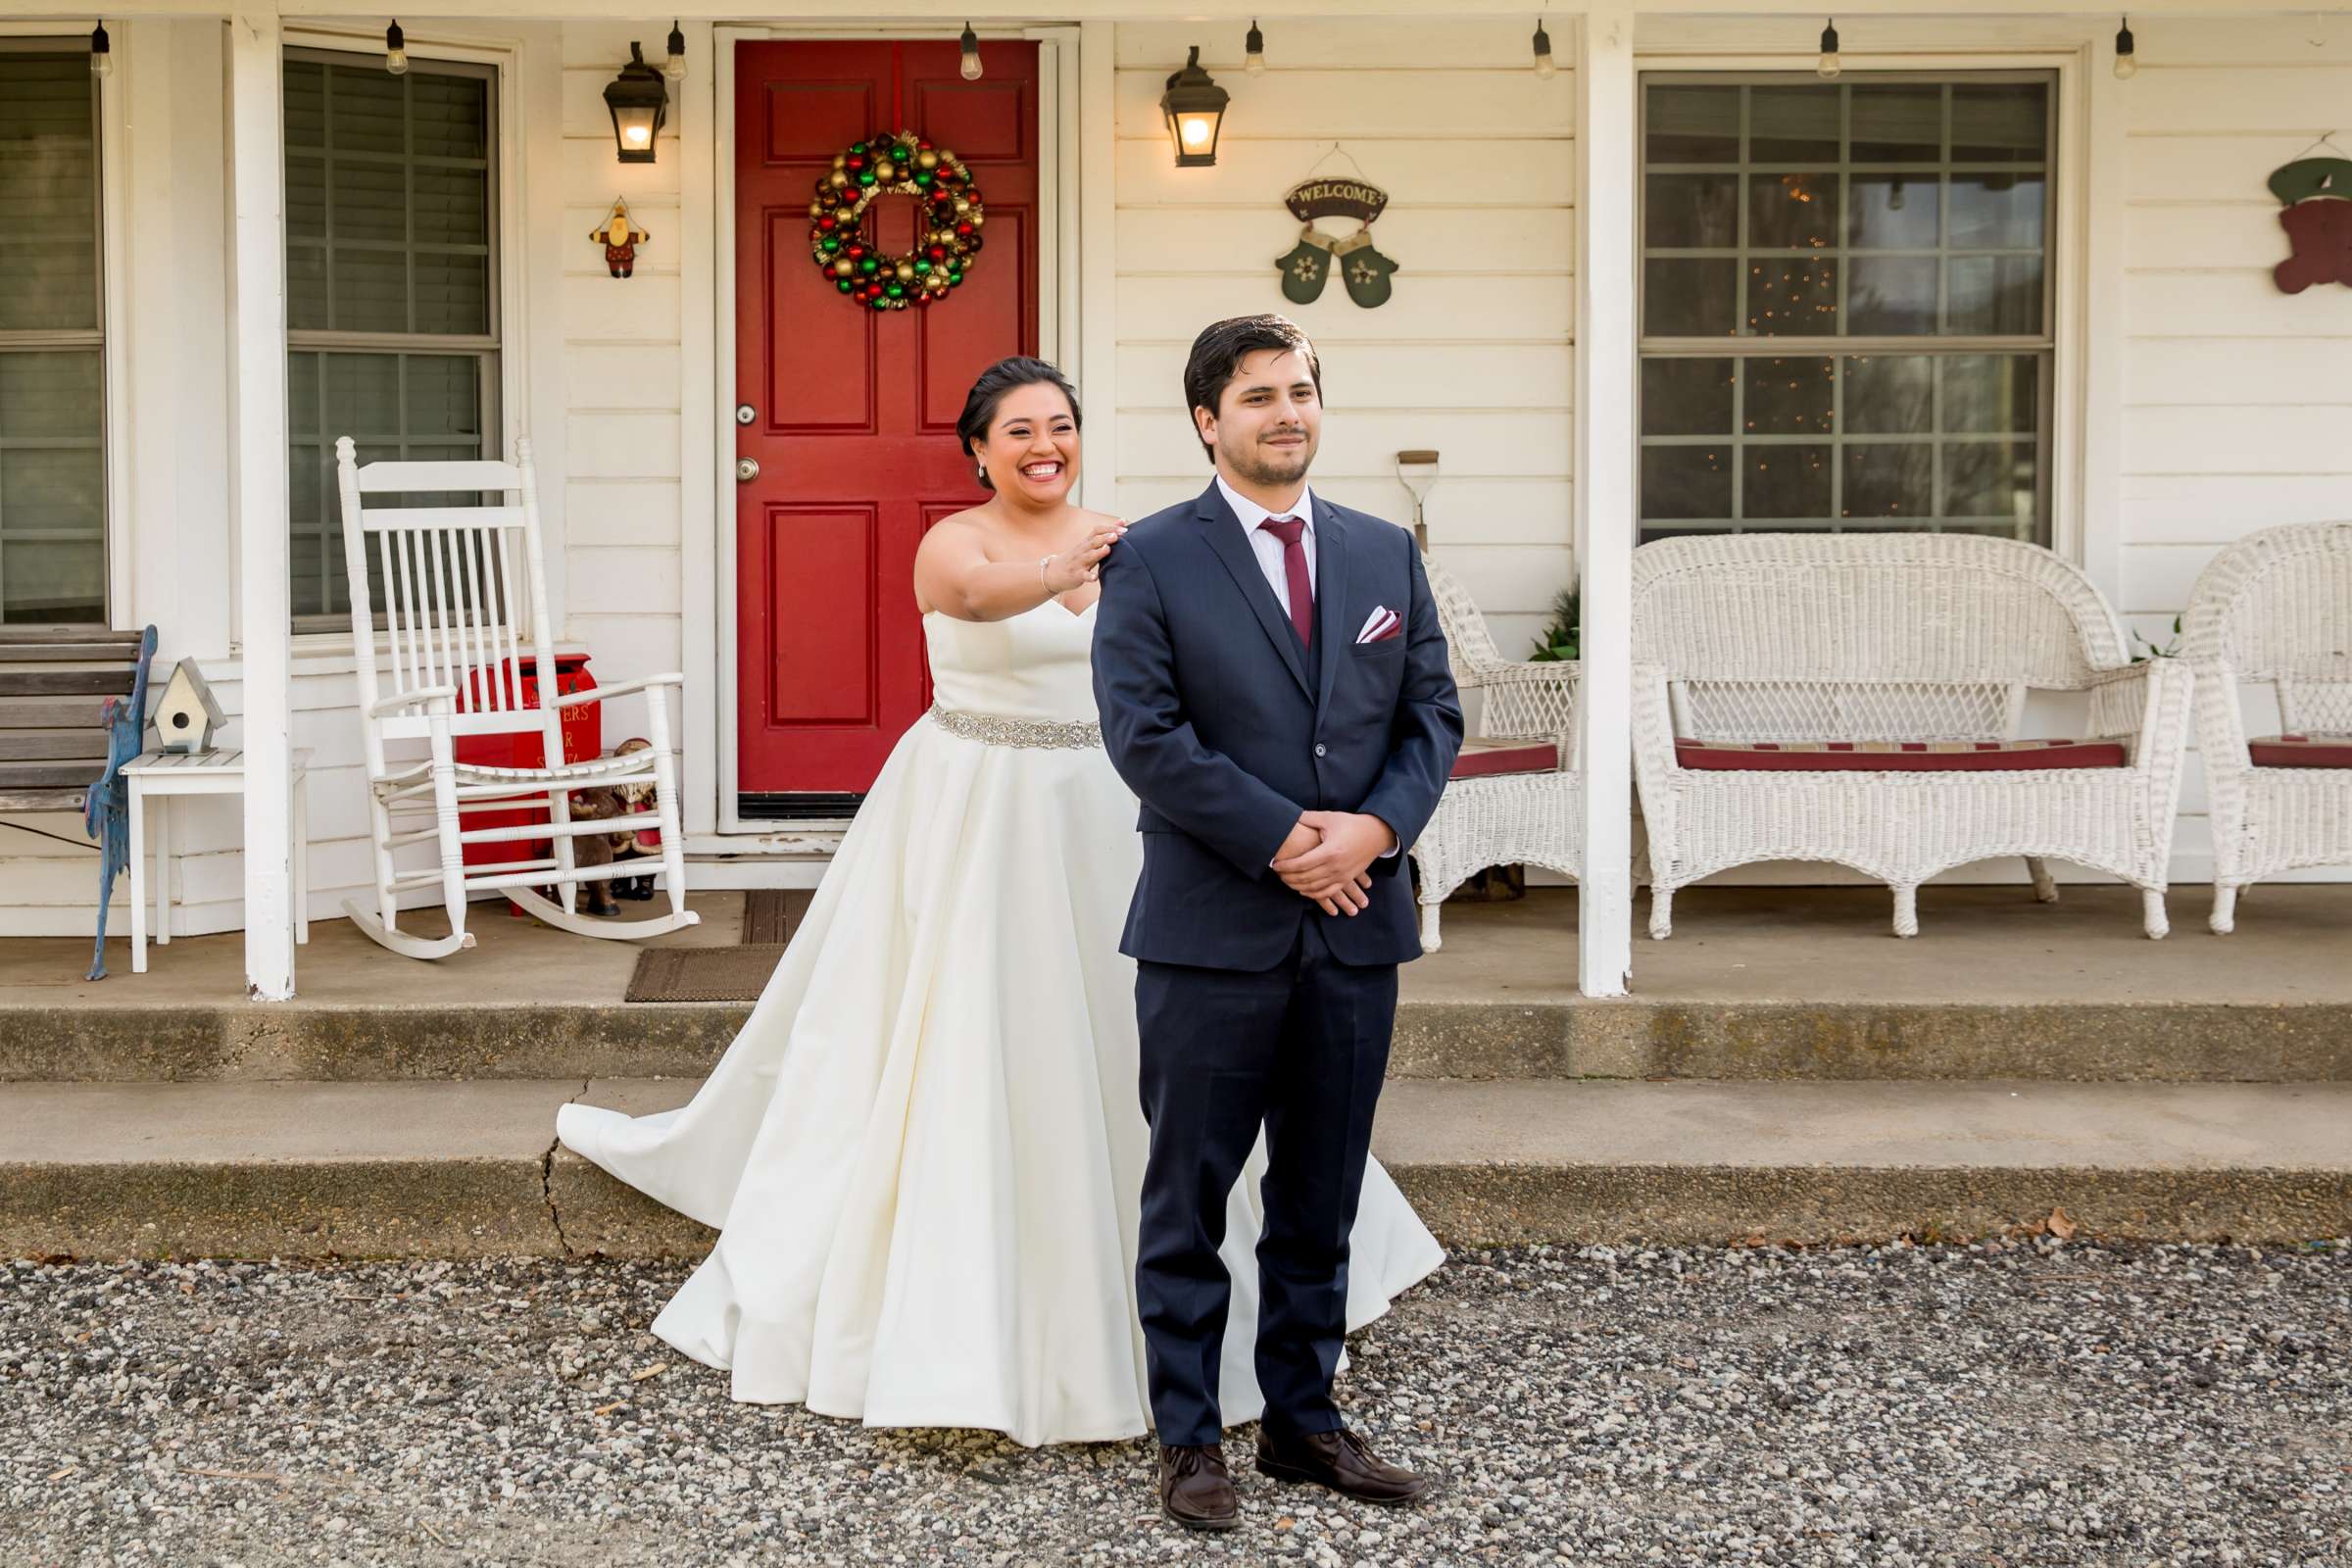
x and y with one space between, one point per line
926 159
905 272
841 161
978 219
885 171
817 210
838 179
963 207
844 268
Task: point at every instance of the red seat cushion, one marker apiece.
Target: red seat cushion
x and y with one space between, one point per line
1484 758
2301 751
1896 756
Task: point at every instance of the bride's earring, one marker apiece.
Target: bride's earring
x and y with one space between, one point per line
980 472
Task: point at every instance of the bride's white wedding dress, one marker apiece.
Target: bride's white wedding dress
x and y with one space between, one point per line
925 1152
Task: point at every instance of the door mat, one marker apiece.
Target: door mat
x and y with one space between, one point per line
703 974
724 974
769 915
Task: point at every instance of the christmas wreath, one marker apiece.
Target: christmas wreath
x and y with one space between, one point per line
948 236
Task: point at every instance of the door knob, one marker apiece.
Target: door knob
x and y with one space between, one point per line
747 469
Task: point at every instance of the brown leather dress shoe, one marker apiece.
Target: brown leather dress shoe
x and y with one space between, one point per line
1341 1461
1194 1488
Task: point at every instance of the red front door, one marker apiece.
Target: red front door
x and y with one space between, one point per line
853 411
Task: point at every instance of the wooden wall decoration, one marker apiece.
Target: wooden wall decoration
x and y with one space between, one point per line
2317 215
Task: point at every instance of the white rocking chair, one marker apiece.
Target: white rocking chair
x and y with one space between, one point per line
457 635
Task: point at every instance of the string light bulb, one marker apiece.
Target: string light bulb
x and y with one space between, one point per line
2127 54
1253 51
971 44
1546 65
1830 65
675 67
102 53
396 51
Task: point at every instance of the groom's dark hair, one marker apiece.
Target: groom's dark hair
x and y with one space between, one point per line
1218 352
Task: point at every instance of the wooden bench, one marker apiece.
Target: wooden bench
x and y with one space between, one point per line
54 683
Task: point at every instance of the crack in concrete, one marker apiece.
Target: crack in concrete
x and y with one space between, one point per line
547 1177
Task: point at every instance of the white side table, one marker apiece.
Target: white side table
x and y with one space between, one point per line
160 775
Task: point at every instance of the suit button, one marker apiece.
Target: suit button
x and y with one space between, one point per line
1318 748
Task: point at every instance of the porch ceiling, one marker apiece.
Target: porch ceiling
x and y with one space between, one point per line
953 13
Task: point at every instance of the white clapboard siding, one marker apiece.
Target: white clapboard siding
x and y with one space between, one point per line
1411 170
624 380
2237 413
1472 355
635 513
1390 374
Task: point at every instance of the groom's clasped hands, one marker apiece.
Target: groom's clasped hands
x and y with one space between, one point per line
1328 857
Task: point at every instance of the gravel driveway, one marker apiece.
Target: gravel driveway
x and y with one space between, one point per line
1996 1406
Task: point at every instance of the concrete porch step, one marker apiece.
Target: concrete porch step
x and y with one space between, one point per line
450 1169
1498 1036
1758 983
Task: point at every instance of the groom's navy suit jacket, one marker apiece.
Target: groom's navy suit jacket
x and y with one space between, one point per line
1227 729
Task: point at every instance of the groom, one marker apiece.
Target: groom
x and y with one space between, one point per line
1273 686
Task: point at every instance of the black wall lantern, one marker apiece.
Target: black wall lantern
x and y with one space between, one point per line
1194 107
639 100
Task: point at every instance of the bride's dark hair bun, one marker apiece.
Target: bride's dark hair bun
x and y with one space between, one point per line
980 404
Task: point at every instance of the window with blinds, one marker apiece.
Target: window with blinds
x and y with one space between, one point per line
1845 304
52 344
391 287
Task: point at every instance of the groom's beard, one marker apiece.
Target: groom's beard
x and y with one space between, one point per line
1272 466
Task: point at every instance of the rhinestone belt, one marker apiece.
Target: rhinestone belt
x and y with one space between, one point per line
1037 733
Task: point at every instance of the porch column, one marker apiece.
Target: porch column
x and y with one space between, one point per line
1606 371
258 410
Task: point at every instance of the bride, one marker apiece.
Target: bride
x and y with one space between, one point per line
924 1154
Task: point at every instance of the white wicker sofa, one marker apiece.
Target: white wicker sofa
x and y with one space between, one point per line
2276 607
1514 795
1856 698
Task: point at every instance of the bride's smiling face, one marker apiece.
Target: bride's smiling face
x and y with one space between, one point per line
1031 449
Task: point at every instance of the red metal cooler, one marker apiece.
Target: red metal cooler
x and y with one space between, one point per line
583 740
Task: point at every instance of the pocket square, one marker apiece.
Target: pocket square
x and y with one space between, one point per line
1381 625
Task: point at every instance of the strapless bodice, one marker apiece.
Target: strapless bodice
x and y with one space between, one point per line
1037 665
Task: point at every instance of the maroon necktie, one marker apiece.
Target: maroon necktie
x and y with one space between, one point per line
1290 530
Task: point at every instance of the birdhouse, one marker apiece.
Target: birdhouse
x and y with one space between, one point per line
189 715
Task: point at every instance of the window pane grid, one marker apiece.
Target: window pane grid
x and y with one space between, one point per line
53 542
391 229
1771 203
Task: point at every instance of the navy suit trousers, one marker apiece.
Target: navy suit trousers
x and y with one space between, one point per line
1299 1049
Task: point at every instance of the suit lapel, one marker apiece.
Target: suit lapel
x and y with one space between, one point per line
1223 531
1331 596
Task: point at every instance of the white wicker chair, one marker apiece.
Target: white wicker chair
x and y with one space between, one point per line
1505 819
1798 639
2274 607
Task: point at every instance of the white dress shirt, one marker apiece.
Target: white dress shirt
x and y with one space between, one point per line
1269 551
1267 548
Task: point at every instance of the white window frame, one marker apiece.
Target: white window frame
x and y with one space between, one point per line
312 638
2044 344
114 278
2085 525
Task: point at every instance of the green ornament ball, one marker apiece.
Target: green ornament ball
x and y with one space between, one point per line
867 265
843 284
896 292
866 176
922 177
954 279
921 267
832 243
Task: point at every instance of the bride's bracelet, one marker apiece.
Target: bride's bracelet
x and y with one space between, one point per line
1051 591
